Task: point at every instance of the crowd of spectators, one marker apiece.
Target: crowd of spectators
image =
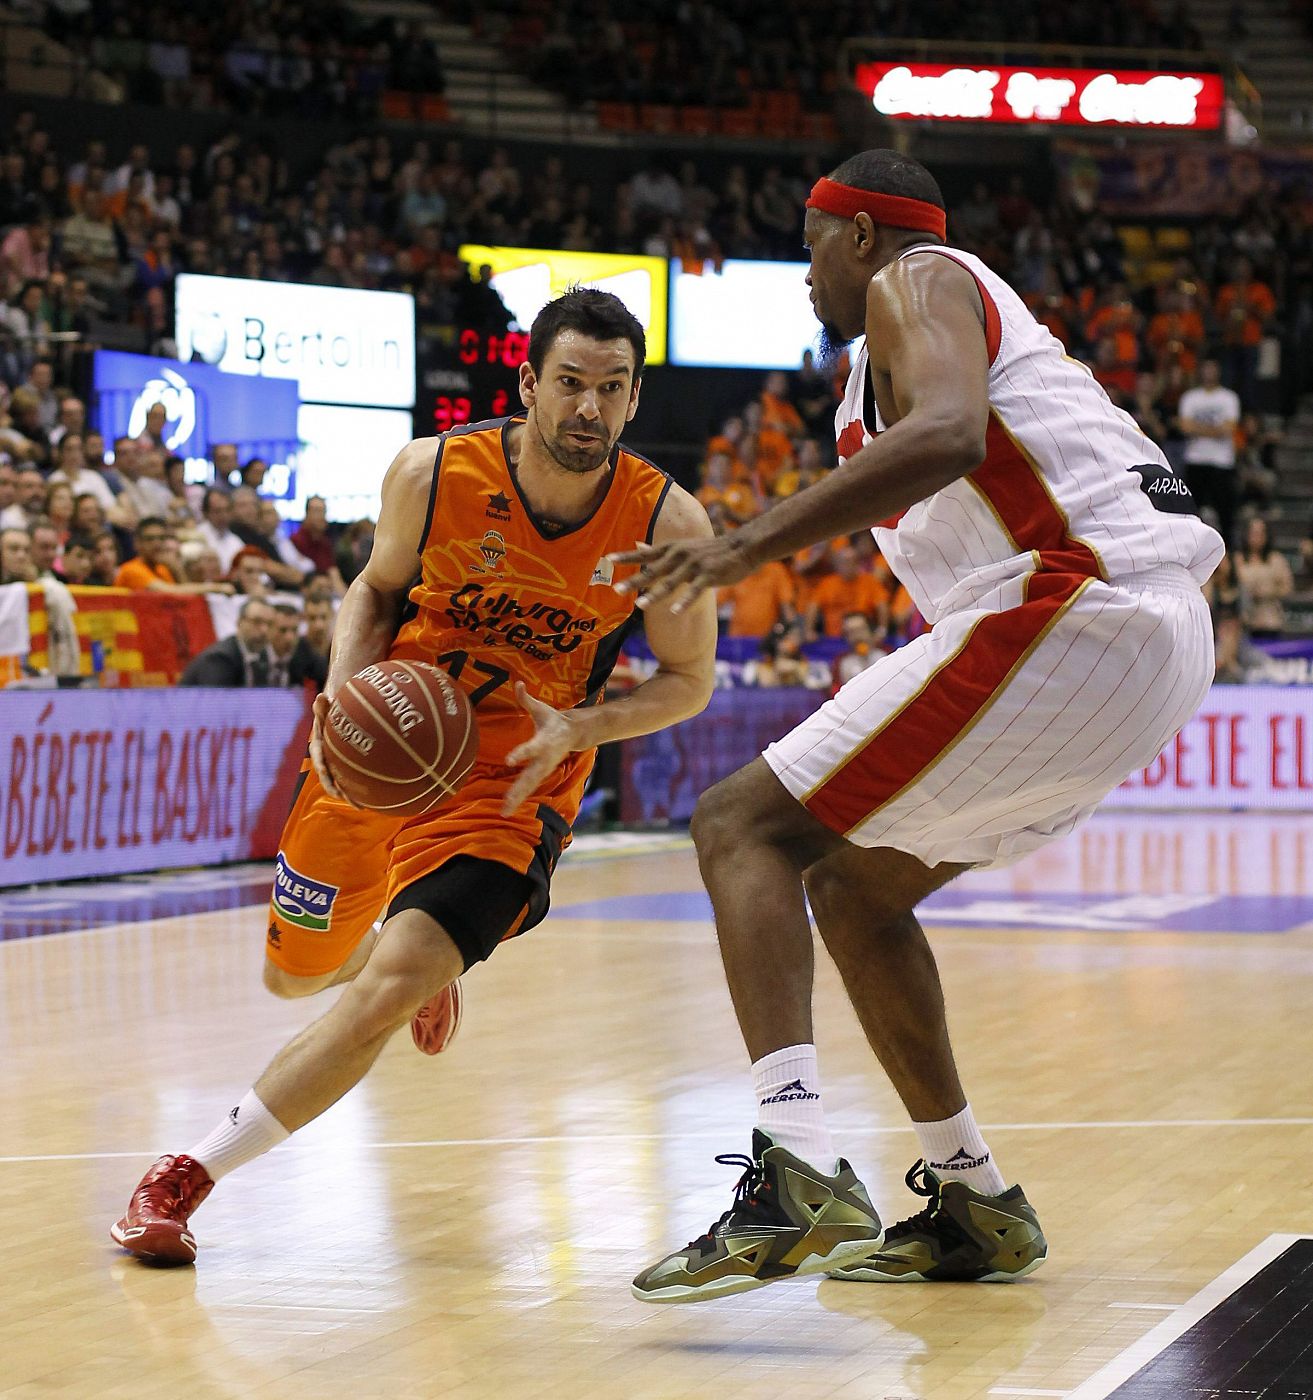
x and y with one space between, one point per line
268 56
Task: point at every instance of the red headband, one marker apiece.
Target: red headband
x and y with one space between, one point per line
847 202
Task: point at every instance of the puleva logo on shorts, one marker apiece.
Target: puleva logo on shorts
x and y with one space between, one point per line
301 900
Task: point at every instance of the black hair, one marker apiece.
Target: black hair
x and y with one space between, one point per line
210 493
598 315
87 542
883 171
150 522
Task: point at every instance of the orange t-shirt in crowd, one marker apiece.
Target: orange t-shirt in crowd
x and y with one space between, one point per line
779 413
1183 328
737 498
137 574
836 597
774 453
722 445
1258 302
759 600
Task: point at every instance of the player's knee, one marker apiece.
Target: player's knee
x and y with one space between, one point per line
384 1003
287 985
717 816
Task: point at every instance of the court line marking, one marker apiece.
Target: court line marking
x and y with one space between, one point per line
719 1136
1121 1368
1146 1307
1018 1390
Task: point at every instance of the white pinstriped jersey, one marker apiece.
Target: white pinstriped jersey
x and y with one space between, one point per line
1057 490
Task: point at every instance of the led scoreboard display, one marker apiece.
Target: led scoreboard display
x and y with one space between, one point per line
475 376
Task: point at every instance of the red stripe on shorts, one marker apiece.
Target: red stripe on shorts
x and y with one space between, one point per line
946 708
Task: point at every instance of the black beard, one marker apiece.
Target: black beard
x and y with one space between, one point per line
578 460
830 346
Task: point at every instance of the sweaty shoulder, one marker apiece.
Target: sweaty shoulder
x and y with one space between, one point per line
915 290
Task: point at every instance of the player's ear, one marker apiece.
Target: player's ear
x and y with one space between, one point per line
633 401
528 385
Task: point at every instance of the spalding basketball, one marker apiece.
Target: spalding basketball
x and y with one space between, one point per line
400 737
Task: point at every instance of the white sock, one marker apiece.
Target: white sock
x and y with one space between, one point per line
247 1131
788 1089
954 1150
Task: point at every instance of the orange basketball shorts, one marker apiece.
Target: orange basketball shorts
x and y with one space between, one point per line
339 867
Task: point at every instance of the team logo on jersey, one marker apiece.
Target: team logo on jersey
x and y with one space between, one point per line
493 548
1165 489
499 506
603 574
300 900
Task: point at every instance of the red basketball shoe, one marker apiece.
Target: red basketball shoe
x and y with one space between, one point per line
154 1227
435 1024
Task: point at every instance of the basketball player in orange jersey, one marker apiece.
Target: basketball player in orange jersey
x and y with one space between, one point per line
1059 561
511 523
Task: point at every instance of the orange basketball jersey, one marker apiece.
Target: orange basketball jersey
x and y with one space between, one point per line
503 598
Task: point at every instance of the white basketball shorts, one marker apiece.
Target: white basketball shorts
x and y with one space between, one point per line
1000 730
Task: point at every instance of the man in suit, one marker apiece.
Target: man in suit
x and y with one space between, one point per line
241 660
295 661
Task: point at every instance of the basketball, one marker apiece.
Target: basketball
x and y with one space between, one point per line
400 738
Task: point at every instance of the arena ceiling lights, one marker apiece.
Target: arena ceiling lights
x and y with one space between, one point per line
1088 97
528 278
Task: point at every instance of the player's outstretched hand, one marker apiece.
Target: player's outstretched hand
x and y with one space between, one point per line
320 763
554 738
678 572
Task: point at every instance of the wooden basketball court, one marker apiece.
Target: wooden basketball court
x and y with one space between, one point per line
1131 1010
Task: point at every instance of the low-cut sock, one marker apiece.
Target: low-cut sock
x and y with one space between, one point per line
955 1151
789 1107
247 1131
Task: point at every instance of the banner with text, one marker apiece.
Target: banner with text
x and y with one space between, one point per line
106 782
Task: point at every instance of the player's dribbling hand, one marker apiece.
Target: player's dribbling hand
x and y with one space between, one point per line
678 572
554 738
322 706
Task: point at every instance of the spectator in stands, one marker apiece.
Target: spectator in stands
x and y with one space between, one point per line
72 419
782 663
253 472
41 383
761 600
272 528
148 572
76 562
240 660
849 589
227 469
30 495
248 573
157 422
1224 602
57 509
1264 574
185 497
104 560
16 564
71 466
200 564
246 526
215 527
12 515
1246 312
47 540
143 492
24 414
737 498
1209 416
88 516
354 548
318 613
294 660
863 648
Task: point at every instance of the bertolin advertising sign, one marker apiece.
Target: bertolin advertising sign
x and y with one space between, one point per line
341 345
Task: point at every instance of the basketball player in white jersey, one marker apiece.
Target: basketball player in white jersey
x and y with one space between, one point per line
1058 559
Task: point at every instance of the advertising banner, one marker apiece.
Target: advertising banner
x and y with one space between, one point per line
340 344
746 315
1043 96
106 783
528 278
204 405
1248 748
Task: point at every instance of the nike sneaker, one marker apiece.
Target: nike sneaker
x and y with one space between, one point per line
435 1024
788 1219
961 1236
154 1227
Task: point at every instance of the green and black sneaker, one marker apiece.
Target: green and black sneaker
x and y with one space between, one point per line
960 1237
787 1220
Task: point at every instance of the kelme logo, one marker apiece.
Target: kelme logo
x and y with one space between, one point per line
300 900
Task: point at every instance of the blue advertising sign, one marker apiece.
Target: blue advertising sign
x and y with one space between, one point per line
204 406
